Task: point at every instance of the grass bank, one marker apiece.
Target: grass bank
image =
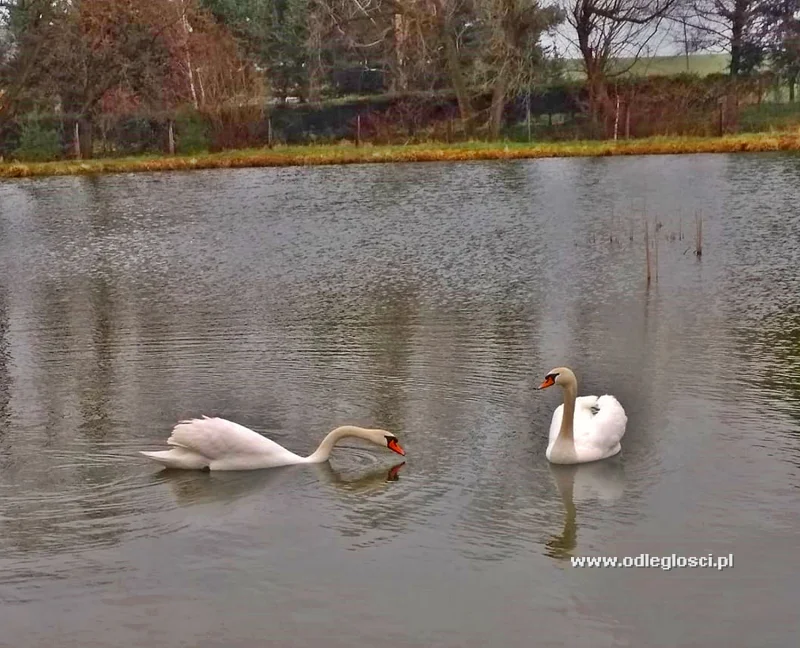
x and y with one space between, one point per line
433 152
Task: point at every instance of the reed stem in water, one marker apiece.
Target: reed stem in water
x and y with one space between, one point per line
698 246
647 248
655 246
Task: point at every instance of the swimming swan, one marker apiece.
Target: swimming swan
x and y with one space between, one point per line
583 429
219 444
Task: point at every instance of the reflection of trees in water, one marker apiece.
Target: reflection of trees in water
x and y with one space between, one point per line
373 336
5 369
387 337
370 337
69 491
401 185
54 341
78 337
66 492
95 398
781 373
507 332
772 351
491 429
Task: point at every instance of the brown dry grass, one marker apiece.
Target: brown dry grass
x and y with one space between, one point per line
349 154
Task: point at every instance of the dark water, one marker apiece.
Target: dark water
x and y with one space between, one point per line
430 300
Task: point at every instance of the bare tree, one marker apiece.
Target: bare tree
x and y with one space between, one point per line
740 23
396 36
512 57
606 31
785 42
449 20
742 28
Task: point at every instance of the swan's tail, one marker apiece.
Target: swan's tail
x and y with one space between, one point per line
178 458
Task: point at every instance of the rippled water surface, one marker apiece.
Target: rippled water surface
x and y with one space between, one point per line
430 300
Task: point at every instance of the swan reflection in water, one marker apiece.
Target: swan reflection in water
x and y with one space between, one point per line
193 487
600 482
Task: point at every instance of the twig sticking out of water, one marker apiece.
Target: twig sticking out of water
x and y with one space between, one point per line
611 227
655 249
647 248
698 246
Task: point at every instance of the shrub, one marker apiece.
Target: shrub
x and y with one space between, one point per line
191 133
37 142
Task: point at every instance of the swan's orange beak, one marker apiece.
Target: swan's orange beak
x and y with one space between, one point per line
549 381
395 447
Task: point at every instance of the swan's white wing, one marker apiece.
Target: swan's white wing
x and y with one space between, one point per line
607 425
586 409
218 438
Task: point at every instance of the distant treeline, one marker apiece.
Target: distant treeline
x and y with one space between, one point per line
115 77
674 105
127 75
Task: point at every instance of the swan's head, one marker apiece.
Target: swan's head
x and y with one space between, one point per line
376 435
561 376
392 443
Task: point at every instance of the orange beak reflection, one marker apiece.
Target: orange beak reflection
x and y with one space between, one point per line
548 382
395 447
392 474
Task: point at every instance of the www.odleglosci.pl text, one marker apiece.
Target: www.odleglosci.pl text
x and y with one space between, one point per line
646 561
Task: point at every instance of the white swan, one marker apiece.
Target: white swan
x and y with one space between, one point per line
219 444
583 429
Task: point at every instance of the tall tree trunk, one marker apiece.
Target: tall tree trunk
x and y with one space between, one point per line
599 101
738 23
399 82
595 81
498 104
188 55
455 73
314 47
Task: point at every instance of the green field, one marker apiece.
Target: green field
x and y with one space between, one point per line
700 64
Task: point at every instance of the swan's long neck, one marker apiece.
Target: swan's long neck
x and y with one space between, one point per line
326 447
570 394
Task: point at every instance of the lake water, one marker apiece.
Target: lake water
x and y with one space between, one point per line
428 299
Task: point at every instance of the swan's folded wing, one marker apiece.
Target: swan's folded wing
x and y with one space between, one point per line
610 421
582 418
217 437
586 405
587 402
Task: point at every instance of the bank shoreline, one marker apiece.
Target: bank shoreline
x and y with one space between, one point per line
313 155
